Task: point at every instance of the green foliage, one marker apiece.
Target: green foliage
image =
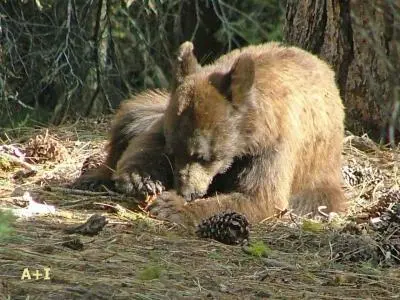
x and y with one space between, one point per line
215 254
253 21
312 226
6 229
5 164
258 249
62 59
26 117
150 273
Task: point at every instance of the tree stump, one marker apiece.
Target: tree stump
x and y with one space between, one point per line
361 40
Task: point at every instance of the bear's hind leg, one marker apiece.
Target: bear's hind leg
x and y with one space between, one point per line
144 168
312 200
134 117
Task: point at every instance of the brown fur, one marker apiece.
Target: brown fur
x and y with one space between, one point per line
264 124
261 129
134 118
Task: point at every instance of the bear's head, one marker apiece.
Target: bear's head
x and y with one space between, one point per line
204 122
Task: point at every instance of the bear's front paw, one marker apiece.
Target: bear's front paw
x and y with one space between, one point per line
141 185
168 207
92 184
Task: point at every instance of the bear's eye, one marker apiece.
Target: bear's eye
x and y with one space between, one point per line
200 159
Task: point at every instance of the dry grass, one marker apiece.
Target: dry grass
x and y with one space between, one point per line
135 257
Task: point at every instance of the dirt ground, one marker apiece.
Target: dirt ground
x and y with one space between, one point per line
136 257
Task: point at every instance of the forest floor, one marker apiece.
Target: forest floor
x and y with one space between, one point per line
136 257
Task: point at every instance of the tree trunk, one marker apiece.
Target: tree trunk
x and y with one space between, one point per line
360 39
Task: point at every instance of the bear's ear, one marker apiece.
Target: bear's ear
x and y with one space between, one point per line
236 84
242 78
186 63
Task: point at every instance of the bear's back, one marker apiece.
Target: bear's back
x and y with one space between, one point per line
274 56
294 86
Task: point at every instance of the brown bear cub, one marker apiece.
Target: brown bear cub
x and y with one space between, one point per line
258 131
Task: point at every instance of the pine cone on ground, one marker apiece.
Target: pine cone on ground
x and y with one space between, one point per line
388 226
349 176
355 173
41 148
227 227
389 218
91 227
385 199
353 248
93 161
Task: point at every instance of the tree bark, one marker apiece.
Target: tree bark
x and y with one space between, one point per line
360 39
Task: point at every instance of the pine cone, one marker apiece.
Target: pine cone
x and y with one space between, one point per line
91 227
93 161
353 248
388 226
386 198
349 176
389 218
227 227
40 149
355 173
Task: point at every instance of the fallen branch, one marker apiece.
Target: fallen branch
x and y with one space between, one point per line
80 192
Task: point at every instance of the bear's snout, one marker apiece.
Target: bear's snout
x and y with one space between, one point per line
192 182
188 196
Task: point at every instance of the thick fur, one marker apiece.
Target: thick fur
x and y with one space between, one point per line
134 119
262 127
259 130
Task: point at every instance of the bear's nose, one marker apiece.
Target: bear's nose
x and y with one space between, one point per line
191 196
